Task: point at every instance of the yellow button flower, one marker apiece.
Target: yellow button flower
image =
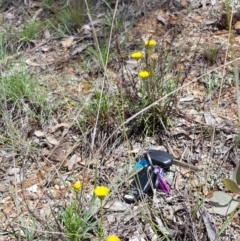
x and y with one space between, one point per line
77 186
137 55
101 192
113 238
143 74
150 43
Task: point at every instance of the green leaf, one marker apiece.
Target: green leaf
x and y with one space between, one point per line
220 199
225 210
231 185
236 174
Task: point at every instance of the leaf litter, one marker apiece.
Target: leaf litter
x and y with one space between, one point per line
190 140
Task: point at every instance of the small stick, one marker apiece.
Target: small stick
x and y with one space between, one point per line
186 165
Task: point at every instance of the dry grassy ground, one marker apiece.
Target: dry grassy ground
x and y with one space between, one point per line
72 109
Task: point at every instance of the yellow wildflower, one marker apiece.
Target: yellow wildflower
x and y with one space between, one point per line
143 74
137 55
150 43
77 186
113 238
101 192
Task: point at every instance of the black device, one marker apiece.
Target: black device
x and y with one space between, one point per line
159 158
147 177
142 183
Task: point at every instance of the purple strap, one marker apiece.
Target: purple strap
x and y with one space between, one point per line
161 180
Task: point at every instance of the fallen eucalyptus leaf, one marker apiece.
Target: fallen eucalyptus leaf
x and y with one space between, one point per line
231 185
225 210
220 199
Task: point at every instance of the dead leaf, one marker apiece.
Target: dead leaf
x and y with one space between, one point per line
31 63
211 21
60 151
55 7
52 140
32 188
39 134
72 161
205 190
161 226
3 188
209 119
56 127
78 50
136 238
178 182
89 163
185 173
132 63
67 42
99 21
37 13
86 29
161 19
8 156
85 87
115 206
135 151
209 223
45 152
2 220
45 49
45 213
187 98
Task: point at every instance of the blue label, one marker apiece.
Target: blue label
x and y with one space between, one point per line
142 163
